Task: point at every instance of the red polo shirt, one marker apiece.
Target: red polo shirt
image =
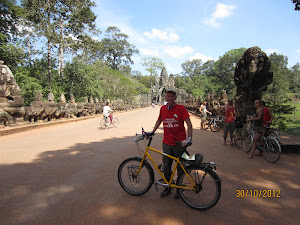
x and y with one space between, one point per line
173 122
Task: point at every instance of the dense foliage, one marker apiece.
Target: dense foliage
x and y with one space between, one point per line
37 36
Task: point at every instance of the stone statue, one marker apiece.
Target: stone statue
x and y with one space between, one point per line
39 96
223 98
11 101
163 78
91 100
62 98
36 109
72 99
50 108
50 97
251 77
171 80
156 80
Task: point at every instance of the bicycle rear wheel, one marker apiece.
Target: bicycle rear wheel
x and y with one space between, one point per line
238 138
102 123
247 142
272 150
115 122
274 134
207 191
132 183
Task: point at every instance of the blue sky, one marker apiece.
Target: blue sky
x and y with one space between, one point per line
181 30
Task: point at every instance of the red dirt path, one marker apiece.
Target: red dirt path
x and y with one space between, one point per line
67 174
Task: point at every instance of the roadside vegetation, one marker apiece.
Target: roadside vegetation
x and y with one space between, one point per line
57 48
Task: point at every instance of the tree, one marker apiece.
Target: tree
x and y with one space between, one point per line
152 65
58 19
88 47
116 50
10 51
191 68
75 20
295 80
297 4
278 91
9 20
224 69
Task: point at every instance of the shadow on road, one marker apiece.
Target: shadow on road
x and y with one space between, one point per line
79 185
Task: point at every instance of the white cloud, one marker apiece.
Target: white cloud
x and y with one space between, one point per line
298 51
110 18
272 50
222 11
198 55
178 51
147 51
173 68
169 35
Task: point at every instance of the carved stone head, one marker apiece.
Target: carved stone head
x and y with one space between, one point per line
72 99
50 97
62 98
39 96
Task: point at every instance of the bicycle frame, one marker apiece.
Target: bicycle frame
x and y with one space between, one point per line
168 183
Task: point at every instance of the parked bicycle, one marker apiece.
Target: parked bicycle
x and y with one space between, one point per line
216 123
198 184
269 145
105 122
238 134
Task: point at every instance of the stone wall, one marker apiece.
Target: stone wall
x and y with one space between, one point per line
13 111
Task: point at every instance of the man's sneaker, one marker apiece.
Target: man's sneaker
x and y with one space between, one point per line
177 195
165 192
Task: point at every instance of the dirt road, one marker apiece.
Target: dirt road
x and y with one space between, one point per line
67 174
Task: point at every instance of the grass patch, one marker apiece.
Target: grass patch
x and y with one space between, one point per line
293 120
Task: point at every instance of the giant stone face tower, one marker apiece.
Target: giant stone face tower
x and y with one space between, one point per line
163 82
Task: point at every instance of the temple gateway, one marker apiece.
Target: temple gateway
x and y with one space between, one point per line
162 83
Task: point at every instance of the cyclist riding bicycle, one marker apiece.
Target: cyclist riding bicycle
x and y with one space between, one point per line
107 112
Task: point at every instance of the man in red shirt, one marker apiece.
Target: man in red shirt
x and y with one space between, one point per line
230 116
173 117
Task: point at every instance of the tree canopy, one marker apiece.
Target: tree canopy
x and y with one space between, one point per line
115 49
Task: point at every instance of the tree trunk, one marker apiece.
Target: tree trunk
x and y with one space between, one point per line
49 64
61 54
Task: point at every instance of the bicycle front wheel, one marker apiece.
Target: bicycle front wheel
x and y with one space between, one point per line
238 138
130 181
247 142
115 122
272 150
215 126
207 192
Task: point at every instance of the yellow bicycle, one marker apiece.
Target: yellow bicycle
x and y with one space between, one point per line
199 186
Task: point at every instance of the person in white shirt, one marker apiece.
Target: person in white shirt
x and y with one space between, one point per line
107 110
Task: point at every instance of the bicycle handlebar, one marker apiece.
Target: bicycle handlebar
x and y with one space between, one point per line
143 135
187 144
